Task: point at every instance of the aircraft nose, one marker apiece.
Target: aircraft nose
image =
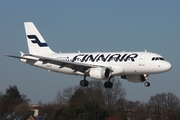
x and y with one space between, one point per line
167 66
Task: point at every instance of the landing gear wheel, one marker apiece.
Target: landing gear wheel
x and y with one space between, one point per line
147 84
108 84
84 83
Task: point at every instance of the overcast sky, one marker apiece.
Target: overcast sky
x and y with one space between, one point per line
89 26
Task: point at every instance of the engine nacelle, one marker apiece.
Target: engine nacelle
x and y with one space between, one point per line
99 73
134 78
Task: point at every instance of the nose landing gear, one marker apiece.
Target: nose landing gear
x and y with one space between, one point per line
147 84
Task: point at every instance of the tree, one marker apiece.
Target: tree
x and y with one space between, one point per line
97 102
112 95
89 111
164 105
94 93
63 98
133 110
92 102
114 117
11 99
1 100
23 108
13 93
50 109
92 111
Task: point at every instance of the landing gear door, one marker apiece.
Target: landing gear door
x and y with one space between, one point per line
142 60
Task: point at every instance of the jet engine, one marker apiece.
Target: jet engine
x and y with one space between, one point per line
134 78
99 73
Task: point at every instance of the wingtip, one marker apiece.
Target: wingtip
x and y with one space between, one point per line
13 56
7 55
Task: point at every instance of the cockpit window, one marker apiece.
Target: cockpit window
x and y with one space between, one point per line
161 58
157 58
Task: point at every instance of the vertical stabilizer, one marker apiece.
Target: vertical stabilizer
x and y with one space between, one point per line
36 44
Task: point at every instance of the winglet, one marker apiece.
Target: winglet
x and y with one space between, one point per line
22 54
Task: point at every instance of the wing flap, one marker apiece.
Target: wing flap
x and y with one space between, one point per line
82 67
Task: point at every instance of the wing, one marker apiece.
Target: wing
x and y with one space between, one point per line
76 66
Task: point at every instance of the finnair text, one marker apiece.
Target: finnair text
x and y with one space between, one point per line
105 58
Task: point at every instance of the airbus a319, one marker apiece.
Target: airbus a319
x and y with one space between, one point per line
132 66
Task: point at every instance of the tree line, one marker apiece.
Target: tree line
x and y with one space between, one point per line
95 103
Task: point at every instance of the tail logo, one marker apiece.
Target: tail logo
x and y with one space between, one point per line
35 40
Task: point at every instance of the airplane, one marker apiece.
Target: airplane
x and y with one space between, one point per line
132 66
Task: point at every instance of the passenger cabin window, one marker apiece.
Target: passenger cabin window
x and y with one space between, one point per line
157 58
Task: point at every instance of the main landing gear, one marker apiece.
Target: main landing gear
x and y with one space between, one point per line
85 83
108 84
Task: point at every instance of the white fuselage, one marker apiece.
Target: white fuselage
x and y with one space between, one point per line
121 63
